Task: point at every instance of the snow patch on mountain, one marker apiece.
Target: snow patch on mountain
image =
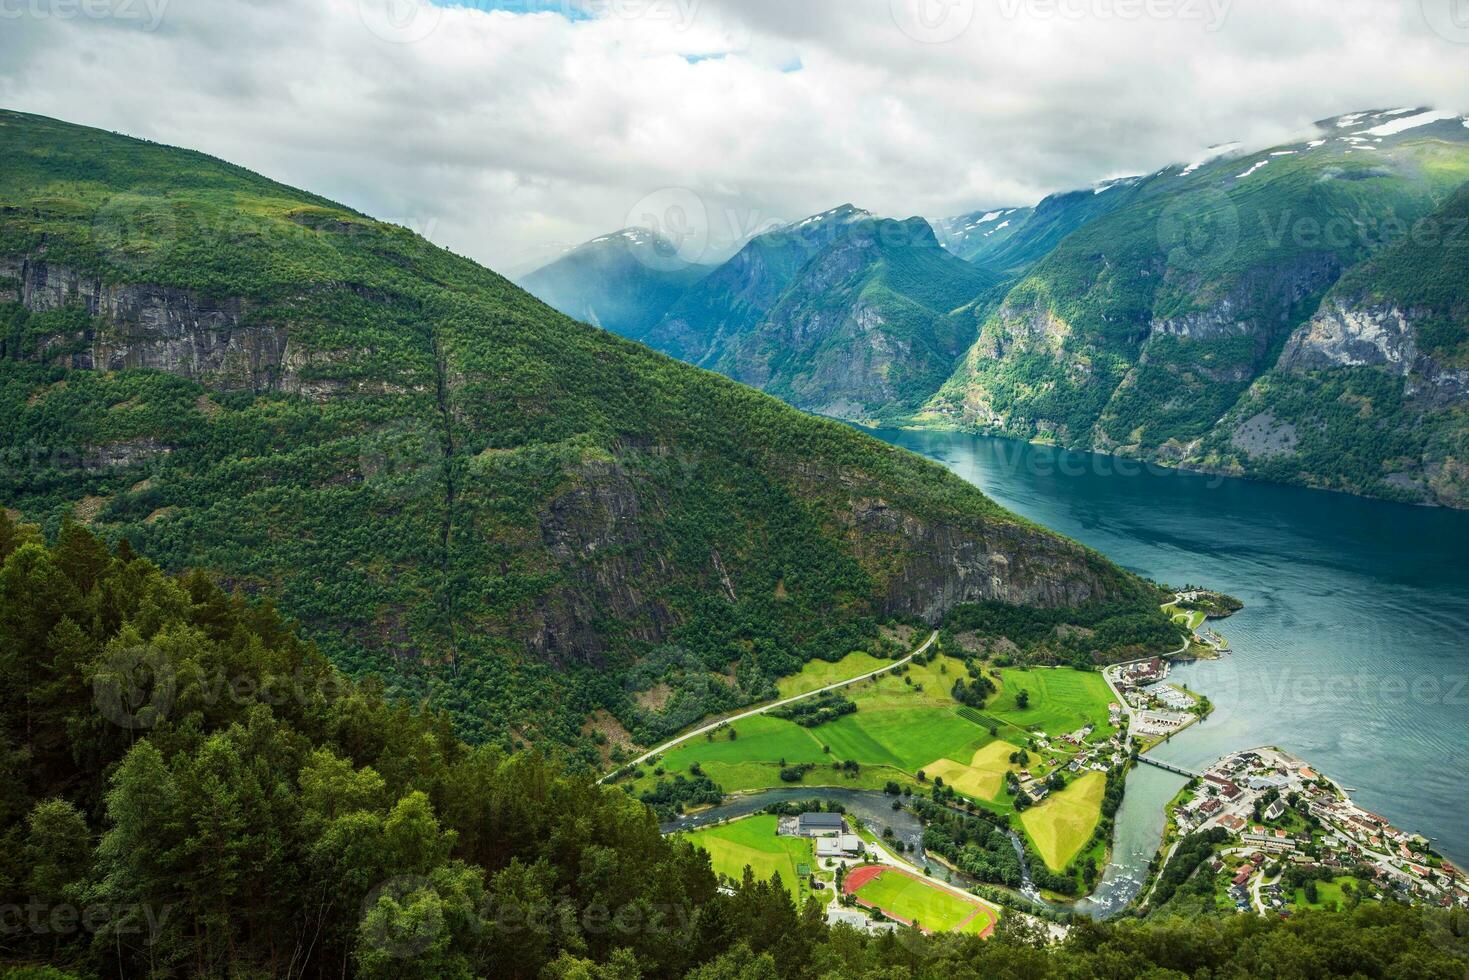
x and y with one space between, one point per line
1256 167
1397 126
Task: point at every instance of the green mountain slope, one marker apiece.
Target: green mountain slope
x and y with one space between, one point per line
1372 394
866 329
1032 233
445 481
1144 327
624 282
735 297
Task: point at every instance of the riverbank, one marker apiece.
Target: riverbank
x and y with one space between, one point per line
1341 618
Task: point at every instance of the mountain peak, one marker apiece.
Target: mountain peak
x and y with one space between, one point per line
842 214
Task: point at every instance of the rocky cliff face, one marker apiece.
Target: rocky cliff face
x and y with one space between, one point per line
221 342
943 565
1383 336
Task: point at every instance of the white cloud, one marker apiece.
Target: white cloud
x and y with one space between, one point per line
510 133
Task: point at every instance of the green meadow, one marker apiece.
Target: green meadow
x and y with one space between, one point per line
820 673
753 842
1061 825
1061 699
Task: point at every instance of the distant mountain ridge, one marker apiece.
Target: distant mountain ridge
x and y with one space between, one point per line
1147 315
624 282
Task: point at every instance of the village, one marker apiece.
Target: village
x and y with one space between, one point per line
1295 835
1155 709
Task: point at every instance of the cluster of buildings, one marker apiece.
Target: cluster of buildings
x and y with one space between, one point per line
1158 709
829 831
1246 792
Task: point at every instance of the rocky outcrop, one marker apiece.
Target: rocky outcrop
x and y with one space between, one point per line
1345 335
944 565
220 342
1383 336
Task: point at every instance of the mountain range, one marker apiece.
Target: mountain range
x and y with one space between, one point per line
522 519
1295 313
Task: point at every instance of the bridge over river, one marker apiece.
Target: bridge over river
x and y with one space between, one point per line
1180 770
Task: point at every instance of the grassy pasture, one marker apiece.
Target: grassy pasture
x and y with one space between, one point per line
753 842
820 673
1061 825
983 777
1061 699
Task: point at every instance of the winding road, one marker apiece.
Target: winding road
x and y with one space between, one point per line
771 706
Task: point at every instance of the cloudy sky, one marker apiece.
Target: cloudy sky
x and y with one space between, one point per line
510 129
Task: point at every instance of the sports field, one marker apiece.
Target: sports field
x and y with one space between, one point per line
1062 824
908 898
1061 699
752 841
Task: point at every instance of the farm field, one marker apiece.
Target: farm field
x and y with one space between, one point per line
984 775
915 901
1061 825
753 842
1061 699
904 724
819 673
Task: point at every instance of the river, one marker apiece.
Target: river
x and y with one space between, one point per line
1350 651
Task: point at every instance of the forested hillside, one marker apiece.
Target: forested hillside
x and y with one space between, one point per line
447 483
188 789
1145 331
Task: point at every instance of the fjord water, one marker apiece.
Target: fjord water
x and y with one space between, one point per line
1352 650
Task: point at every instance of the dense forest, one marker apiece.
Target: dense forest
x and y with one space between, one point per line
187 788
